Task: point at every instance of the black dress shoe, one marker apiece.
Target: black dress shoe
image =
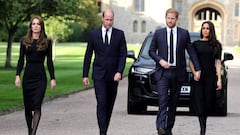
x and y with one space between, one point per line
103 133
161 131
168 132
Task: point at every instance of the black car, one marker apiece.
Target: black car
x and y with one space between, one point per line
142 85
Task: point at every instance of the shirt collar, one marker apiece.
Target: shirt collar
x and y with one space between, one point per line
104 29
174 29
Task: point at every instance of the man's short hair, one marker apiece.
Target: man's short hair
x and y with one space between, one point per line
172 10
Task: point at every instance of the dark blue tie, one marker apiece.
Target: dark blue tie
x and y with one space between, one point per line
171 47
106 38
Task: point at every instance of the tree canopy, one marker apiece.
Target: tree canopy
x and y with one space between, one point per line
16 12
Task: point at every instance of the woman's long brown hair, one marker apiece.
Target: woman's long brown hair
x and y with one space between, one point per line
214 43
42 41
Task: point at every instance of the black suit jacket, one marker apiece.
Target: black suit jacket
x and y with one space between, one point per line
159 50
108 60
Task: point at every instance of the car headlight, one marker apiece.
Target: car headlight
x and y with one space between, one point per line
141 70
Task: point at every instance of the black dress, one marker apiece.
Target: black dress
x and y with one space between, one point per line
34 80
204 90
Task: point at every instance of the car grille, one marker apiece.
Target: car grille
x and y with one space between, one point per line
153 83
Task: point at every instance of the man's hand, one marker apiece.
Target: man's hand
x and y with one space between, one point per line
164 64
86 81
117 76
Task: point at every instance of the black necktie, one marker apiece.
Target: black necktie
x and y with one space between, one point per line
171 47
106 38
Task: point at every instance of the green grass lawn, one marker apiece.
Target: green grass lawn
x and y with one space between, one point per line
238 49
68 62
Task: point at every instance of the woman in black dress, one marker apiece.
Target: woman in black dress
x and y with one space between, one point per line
209 51
34 47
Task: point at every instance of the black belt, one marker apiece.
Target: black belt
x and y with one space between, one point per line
172 67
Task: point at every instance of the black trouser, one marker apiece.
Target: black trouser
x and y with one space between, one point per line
167 103
106 92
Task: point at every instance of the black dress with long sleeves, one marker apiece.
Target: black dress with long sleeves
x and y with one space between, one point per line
204 90
34 79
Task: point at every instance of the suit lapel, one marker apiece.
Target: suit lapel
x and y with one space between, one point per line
113 35
178 37
100 39
165 41
165 36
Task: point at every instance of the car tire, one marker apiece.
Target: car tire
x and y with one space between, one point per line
191 110
221 109
136 107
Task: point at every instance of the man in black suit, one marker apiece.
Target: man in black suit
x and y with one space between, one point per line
109 47
168 50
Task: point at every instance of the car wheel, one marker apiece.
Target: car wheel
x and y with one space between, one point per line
221 108
191 110
136 107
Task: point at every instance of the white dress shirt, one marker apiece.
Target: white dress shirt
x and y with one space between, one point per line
109 33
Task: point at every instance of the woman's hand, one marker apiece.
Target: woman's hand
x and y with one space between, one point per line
219 84
53 84
86 81
197 75
18 81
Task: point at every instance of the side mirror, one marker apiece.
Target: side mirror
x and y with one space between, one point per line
227 56
131 54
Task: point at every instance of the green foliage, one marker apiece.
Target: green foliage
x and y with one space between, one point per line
3 34
77 34
13 13
21 31
238 49
57 28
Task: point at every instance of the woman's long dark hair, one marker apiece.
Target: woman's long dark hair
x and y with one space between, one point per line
42 41
214 43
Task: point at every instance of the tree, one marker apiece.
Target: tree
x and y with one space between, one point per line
16 12
78 32
57 28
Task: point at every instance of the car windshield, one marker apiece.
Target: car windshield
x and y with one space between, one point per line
194 36
146 45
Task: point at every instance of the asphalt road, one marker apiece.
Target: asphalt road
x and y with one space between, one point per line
76 115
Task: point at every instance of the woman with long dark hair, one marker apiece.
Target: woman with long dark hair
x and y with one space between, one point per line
209 51
34 47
